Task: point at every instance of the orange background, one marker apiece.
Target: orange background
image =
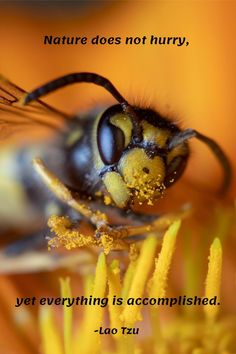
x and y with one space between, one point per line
194 84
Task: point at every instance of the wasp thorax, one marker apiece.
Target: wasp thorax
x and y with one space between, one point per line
143 176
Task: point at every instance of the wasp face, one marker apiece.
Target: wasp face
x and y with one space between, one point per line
138 166
137 152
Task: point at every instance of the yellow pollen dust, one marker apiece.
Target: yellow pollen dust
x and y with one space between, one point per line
146 189
107 200
67 235
107 243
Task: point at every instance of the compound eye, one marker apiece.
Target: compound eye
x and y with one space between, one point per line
110 140
175 170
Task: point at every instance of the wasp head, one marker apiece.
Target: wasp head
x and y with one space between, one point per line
136 162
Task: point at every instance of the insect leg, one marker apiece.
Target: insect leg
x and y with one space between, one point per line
160 224
64 194
106 236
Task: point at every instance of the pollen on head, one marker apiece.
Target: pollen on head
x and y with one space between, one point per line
146 189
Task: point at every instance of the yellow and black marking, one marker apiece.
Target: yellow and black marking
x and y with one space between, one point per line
137 171
124 127
124 156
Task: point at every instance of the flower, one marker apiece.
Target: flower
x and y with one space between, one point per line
145 278
194 84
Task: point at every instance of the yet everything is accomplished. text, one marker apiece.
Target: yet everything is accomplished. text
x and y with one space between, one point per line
182 300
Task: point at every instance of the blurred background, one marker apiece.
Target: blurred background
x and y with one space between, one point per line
194 85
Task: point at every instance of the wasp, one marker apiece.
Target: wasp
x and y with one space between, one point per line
98 164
